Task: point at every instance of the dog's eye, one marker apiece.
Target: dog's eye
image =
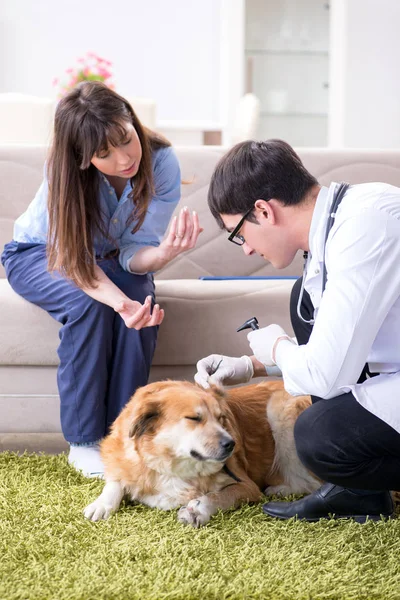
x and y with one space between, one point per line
196 418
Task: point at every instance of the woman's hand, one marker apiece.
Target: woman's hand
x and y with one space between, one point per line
182 235
137 316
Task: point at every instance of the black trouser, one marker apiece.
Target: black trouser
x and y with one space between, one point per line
338 439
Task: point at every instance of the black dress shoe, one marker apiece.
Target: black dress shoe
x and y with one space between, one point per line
333 501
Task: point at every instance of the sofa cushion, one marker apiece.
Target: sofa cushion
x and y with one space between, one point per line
201 317
29 335
21 169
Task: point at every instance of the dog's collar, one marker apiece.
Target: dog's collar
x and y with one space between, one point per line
229 472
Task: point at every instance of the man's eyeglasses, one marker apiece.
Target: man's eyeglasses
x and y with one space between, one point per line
234 236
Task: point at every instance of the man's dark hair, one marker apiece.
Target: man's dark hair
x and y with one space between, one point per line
253 170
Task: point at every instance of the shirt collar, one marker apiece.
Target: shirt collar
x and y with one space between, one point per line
125 193
316 239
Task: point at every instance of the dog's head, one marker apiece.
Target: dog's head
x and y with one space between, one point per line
172 421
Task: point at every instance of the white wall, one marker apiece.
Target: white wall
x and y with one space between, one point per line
232 77
188 56
365 81
168 50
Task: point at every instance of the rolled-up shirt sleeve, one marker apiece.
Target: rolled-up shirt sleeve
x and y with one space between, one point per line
32 225
167 184
363 284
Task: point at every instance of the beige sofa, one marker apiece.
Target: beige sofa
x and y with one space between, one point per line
201 315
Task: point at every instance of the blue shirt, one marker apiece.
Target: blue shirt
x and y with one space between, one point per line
32 225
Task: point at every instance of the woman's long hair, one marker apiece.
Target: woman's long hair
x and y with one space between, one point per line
87 120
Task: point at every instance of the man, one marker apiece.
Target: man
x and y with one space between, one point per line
348 333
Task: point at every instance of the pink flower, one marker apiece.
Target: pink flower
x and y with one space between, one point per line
101 60
89 66
104 73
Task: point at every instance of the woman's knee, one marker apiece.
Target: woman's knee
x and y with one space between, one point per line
136 287
81 305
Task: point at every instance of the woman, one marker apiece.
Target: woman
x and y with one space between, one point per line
85 249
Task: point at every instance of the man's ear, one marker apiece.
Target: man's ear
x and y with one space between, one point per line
146 421
265 211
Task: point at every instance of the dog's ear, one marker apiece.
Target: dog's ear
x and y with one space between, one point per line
218 392
145 422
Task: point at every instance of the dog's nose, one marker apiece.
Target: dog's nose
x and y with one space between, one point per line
227 444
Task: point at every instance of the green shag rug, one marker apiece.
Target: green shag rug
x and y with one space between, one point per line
48 550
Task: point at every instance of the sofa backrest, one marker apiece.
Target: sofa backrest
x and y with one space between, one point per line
21 169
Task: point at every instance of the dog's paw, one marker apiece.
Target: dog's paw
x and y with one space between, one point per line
278 490
196 513
98 510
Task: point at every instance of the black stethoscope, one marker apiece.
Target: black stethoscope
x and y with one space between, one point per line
337 198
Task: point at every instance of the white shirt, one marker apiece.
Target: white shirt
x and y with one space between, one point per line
358 317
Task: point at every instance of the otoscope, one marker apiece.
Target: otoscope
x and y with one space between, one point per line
249 324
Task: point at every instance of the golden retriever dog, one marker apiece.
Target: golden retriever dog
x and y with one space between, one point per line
178 445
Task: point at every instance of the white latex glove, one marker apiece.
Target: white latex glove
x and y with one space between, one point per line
263 342
223 370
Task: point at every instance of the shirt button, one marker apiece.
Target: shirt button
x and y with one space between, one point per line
115 220
316 271
111 192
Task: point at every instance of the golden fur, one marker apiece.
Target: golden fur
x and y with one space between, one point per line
178 445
